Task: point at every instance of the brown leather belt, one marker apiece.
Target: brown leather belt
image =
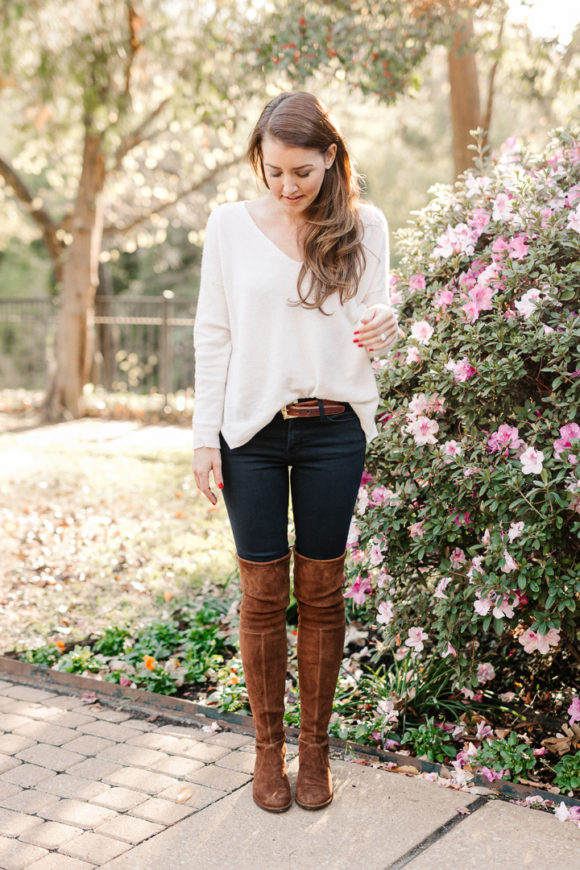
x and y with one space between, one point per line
311 408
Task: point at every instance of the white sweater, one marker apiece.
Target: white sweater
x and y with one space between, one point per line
254 352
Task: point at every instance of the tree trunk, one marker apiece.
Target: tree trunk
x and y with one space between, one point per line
75 327
465 102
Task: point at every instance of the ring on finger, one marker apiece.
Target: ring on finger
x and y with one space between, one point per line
383 336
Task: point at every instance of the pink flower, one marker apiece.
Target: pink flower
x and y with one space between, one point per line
506 697
376 555
450 651
417 282
491 775
416 530
463 371
451 448
568 433
502 209
500 245
528 303
386 612
416 638
506 436
359 590
362 501
443 298
423 430
574 220
504 608
509 564
574 710
379 495
124 681
422 331
479 220
455 240
441 587
518 247
532 461
353 535
515 531
413 355
475 566
485 672
482 605
366 478
533 641
457 558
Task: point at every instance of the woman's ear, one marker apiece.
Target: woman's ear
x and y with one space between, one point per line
330 155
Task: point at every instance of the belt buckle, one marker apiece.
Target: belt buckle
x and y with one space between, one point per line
284 412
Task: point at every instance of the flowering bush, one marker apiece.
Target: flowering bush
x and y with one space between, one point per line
465 540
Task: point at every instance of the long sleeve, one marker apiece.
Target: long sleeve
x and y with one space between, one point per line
212 342
378 262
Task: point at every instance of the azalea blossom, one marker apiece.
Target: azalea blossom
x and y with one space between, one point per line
528 303
457 558
515 531
459 239
441 587
359 590
449 651
509 564
376 555
483 729
379 495
423 430
386 612
574 219
463 371
506 697
475 567
416 638
451 448
505 437
353 535
518 247
485 672
574 710
443 298
417 282
533 641
492 775
532 461
422 331
416 530
386 707
568 433
362 500
504 608
502 208
482 605
413 355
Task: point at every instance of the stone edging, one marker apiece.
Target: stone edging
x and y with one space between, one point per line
188 711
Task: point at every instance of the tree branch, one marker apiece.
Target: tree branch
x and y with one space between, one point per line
571 50
138 135
39 215
486 120
112 230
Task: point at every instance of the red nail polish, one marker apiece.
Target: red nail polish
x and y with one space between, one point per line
356 332
361 345
220 485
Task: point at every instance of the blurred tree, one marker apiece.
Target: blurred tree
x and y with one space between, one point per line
119 110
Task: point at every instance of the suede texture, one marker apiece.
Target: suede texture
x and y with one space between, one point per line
318 586
264 651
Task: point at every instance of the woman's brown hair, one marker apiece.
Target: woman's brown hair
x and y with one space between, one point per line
332 237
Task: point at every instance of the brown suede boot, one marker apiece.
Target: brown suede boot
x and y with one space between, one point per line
264 649
321 623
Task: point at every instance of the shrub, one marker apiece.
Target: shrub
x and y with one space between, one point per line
508 757
567 773
466 533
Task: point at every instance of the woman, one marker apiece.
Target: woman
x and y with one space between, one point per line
293 300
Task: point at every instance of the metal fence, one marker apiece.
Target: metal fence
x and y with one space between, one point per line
142 344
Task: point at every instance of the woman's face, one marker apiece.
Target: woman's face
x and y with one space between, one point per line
294 175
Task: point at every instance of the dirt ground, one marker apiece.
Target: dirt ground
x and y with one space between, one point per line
101 524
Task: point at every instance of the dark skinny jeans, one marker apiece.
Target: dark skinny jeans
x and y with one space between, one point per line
319 461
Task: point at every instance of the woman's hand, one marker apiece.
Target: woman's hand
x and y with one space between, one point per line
377 329
206 459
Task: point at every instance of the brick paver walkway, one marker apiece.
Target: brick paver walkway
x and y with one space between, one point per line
83 783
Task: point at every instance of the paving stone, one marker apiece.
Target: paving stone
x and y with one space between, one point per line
55 861
142 780
26 775
28 800
12 824
49 756
72 719
73 812
7 762
207 753
242 761
5 684
70 786
189 731
109 715
137 756
129 828
15 855
175 765
110 730
141 724
119 798
11 721
230 739
222 778
94 847
161 811
44 732
7 789
191 794
28 693
94 768
10 744
49 835
67 702
87 744
164 742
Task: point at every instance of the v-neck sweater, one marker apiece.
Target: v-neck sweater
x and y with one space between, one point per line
255 351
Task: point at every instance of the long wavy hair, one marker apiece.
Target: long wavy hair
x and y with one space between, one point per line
332 236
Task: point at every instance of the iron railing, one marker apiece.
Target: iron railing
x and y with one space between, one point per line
142 344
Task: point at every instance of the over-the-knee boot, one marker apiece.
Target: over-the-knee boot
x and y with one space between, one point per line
321 624
264 650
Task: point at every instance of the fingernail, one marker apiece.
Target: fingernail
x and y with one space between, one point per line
356 332
371 348
220 486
